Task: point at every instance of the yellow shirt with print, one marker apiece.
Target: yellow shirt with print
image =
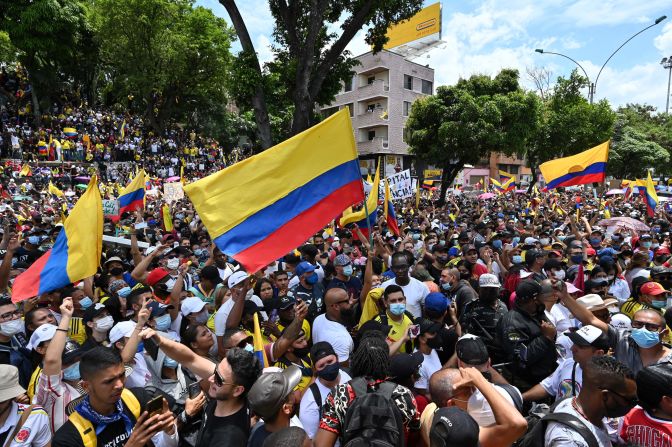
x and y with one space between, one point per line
305 327
398 329
306 374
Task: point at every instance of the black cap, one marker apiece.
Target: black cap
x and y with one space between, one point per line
286 302
472 350
427 325
403 366
527 290
93 311
71 352
320 350
373 325
453 426
533 255
250 308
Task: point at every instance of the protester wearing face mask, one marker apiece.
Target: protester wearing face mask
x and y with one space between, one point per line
427 342
651 295
98 322
329 374
415 291
120 334
396 318
345 278
12 340
457 289
192 311
309 289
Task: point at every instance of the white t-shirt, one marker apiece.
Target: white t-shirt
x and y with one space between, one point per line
334 333
415 292
561 317
620 290
558 435
559 384
429 366
35 431
221 316
309 411
141 376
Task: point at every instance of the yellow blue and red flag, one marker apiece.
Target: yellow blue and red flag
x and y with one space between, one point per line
166 218
76 252
650 196
360 218
70 132
586 167
258 343
25 171
505 176
122 130
507 186
263 207
390 215
132 197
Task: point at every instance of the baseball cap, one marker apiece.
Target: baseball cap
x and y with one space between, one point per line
373 325
436 302
403 365
236 278
93 312
471 350
114 258
594 302
72 351
427 325
43 333
527 290
9 383
156 275
589 335
251 308
652 288
341 260
320 350
621 321
488 280
304 267
530 241
191 305
286 302
453 426
271 389
467 248
158 309
121 330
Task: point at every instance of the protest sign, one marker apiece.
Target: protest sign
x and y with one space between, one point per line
110 208
172 192
401 185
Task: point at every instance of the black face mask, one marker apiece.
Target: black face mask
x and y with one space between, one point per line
116 271
302 352
436 342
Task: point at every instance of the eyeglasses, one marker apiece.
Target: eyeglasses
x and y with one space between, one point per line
10 315
219 380
649 326
632 401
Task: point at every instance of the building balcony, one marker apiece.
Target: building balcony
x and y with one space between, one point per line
375 118
377 89
374 146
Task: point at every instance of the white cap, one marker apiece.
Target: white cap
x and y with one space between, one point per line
488 280
43 333
524 274
530 241
191 305
236 278
621 321
571 288
121 330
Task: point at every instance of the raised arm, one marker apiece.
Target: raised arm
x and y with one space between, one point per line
292 331
131 346
580 313
52 364
200 366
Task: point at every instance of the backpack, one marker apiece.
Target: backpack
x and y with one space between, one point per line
85 427
538 419
373 418
317 396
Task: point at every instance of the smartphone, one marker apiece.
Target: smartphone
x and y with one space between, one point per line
152 348
413 331
155 406
194 390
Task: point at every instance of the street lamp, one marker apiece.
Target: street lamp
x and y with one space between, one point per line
667 65
592 86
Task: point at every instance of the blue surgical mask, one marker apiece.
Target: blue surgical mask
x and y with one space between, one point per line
515 241
646 244
179 216
645 338
34 240
397 308
577 259
594 242
124 292
497 244
416 236
347 270
169 363
162 322
659 304
249 348
446 286
71 372
312 279
85 303
517 259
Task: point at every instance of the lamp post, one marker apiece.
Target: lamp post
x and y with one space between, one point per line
667 65
592 86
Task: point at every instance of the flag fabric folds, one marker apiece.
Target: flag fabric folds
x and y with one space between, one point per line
258 343
509 185
54 190
25 171
122 130
359 217
390 215
76 252
505 176
70 132
650 196
166 218
132 197
586 167
262 207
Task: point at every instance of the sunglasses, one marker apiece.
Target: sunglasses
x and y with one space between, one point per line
632 401
649 326
219 380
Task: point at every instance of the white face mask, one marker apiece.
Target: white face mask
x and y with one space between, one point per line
104 324
172 264
10 328
559 274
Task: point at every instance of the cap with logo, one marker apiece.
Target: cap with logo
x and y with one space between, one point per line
589 335
43 333
271 389
471 350
157 309
236 278
453 426
488 280
652 288
286 302
93 312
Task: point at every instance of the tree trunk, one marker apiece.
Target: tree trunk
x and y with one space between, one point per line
533 168
33 93
258 98
449 173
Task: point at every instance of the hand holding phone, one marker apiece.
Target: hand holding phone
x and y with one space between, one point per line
155 406
413 331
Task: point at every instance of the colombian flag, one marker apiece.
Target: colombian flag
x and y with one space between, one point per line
509 185
70 132
133 196
122 130
650 196
390 215
166 218
42 148
257 340
25 171
266 205
505 176
54 190
586 167
360 217
76 253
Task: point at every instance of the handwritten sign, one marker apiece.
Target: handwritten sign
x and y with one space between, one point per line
172 192
401 185
110 208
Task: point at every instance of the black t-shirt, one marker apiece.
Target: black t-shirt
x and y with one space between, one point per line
353 286
27 256
227 431
4 355
114 435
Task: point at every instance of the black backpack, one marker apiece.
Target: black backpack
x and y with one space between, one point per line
373 418
538 420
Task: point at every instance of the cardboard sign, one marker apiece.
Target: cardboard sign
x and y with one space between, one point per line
122 241
172 192
110 208
401 185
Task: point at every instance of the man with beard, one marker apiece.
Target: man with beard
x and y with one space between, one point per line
226 420
331 326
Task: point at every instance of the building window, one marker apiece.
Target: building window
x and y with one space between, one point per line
328 112
371 80
348 85
426 87
408 82
372 135
407 108
351 109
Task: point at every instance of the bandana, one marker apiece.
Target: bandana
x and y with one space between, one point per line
100 421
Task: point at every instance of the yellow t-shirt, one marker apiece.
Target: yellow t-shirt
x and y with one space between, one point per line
305 327
306 375
32 384
77 331
398 329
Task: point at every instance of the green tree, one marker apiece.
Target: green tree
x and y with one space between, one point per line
311 59
463 123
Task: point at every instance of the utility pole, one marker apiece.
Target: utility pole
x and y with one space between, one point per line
667 65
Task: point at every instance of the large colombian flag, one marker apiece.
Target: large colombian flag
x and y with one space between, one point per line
76 252
360 217
390 215
505 176
265 206
586 167
650 196
132 197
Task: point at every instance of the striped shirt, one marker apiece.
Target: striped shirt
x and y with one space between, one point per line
54 395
